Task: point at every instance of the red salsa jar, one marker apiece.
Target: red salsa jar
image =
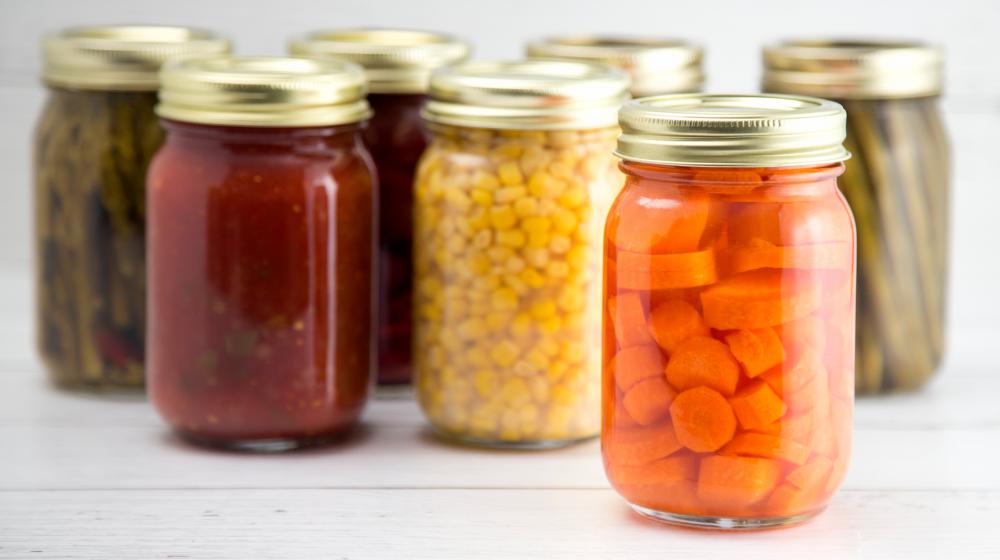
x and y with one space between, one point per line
398 64
729 310
260 238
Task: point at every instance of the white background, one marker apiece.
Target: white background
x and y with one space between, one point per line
82 477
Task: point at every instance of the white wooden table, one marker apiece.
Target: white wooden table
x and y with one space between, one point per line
91 477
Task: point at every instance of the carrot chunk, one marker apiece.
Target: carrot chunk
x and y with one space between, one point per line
703 419
628 315
812 474
771 447
758 350
674 321
764 254
641 445
787 499
727 482
621 418
662 472
760 298
645 271
757 406
649 400
797 335
793 379
815 222
797 428
632 365
703 361
651 222
814 393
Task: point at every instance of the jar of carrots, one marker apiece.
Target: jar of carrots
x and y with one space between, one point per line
729 310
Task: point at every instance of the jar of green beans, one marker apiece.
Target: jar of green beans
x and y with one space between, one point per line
93 142
897 183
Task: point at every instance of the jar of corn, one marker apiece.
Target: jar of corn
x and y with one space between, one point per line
509 203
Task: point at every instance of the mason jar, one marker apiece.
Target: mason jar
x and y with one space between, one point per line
898 184
261 235
509 202
93 142
729 310
398 64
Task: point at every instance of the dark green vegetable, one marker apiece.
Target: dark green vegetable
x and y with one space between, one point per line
897 185
91 153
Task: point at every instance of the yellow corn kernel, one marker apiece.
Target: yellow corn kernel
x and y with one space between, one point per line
522 368
455 245
513 238
485 181
561 395
540 388
535 158
549 347
486 383
503 217
536 224
560 244
561 169
574 196
510 194
515 265
538 239
478 357
564 221
510 173
526 206
557 269
557 421
570 299
497 320
573 351
532 278
472 328
543 309
457 199
550 325
509 150
578 257
543 185
521 324
537 257
537 359
515 391
482 197
504 353
482 239
513 282
528 415
504 299
563 138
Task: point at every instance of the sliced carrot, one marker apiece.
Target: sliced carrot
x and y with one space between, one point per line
628 315
813 221
759 253
645 271
703 420
649 400
837 474
621 418
674 321
760 298
812 474
641 445
787 380
798 428
842 383
666 472
771 447
757 406
681 497
731 482
757 350
814 393
787 499
632 365
651 220
755 220
808 331
703 361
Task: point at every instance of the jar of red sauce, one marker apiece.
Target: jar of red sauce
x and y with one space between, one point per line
262 217
398 64
729 310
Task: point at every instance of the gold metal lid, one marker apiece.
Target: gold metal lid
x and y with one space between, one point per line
263 91
121 57
395 60
526 94
850 69
719 130
656 66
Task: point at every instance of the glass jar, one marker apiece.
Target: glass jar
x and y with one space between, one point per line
509 202
655 65
398 64
261 233
729 311
93 143
898 186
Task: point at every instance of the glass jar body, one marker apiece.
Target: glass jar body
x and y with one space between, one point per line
92 150
897 183
396 137
261 304
728 343
507 258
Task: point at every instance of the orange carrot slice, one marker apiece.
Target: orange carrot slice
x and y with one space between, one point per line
642 445
628 315
760 298
759 253
649 400
797 428
757 406
812 474
809 222
651 221
771 447
621 418
731 482
758 350
808 331
632 365
755 220
703 420
680 497
644 271
674 321
663 472
794 378
814 393
703 361
787 499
